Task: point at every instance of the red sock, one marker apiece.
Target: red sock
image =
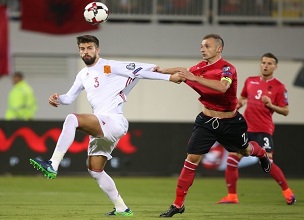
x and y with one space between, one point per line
257 150
184 182
232 173
278 176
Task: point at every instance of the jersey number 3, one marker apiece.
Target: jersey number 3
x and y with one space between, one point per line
259 94
96 84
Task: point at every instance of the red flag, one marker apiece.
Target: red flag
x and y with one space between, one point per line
55 16
4 51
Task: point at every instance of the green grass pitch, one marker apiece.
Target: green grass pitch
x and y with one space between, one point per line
34 197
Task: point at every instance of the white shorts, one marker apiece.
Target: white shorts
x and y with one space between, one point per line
113 126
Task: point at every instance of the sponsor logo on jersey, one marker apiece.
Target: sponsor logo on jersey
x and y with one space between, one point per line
137 70
107 69
131 66
252 82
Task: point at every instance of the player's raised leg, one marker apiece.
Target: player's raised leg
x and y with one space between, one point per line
50 167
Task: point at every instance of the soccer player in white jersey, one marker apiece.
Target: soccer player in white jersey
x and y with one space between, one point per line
107 84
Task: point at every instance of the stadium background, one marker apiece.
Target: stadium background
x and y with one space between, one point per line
160 113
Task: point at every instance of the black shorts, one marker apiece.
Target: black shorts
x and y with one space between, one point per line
231 133
263 139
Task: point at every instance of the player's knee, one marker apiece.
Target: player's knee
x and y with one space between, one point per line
94 174
71 119
270 156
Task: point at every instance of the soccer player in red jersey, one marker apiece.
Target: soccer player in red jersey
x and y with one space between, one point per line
264 95
215 80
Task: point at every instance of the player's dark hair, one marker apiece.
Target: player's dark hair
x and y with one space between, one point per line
270 55
87 39
217 37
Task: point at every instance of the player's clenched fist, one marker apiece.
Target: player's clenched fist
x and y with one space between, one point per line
53 100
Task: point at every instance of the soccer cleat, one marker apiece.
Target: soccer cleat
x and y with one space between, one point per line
289 196
45 166
265 163
230 199
128 212
172 211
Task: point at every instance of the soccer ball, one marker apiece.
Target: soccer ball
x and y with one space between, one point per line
96 13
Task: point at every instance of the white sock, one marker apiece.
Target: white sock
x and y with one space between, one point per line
106 183
65 140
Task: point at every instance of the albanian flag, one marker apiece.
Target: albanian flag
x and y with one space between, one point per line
55 16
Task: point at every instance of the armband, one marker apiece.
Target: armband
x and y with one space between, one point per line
227 79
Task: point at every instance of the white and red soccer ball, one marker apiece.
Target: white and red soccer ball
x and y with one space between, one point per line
96 13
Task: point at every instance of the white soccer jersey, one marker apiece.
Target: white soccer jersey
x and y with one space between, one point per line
108 83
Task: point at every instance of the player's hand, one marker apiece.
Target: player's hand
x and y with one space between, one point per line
267 101
238 106
157 69
176 78
53 100
187 75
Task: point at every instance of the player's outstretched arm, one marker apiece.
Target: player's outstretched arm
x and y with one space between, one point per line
168 70
144 74
220 86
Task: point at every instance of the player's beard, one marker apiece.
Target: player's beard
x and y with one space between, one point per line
88 60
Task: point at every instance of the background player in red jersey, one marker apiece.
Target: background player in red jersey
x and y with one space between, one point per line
263 95
215 80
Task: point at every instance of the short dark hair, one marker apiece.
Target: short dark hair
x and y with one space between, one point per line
270 55
18 74
217 37
87 39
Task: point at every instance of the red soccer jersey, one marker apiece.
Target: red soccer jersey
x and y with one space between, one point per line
257 115
210 98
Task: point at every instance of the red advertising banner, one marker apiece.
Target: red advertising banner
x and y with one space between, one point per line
151 149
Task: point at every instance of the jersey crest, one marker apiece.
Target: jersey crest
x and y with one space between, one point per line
107 69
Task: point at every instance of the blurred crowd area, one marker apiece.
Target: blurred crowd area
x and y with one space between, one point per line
197 11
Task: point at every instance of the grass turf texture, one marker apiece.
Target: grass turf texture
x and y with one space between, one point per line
32 197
